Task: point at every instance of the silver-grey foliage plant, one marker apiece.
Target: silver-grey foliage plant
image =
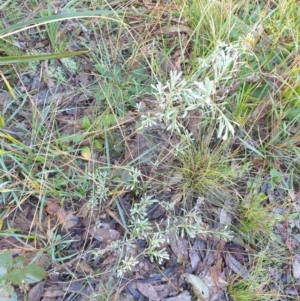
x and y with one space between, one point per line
201 91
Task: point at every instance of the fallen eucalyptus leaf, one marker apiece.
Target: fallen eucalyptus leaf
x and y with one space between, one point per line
147 290
36 292
184 296
105 235
200 289
296 266
236 266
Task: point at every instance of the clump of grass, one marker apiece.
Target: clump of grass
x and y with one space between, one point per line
253 289
257 220
264 281
211 21
206 171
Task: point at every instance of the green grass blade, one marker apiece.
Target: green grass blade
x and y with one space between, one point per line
5 4
55 18
37 57
249 146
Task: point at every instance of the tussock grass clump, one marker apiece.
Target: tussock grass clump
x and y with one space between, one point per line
206 173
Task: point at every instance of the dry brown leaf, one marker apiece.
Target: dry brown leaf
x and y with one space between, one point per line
175 178
194 119
72 286
36 292
237 251
53 208
111 259
179 246
258 163
184 296
71 221
163 290
216 269
83 211
83 78
147 290
114 216
296 266
4 99
66 220
43 260
216 291
49 82
84 268
199 287
235 266
20 221
194 258
104 235
177 197
53 291
226 215
69 127
49 299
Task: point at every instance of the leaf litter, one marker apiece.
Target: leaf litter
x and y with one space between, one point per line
200 266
